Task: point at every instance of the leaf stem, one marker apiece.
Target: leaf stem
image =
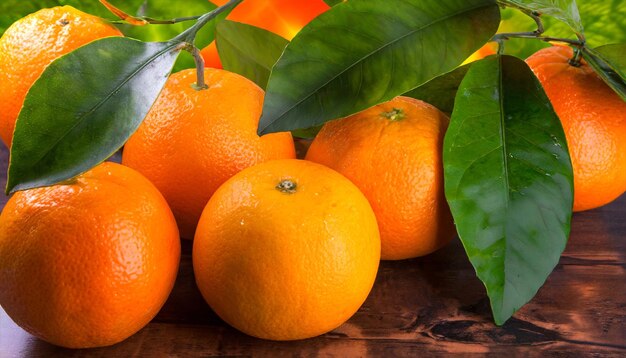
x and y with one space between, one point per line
532 35
152 21
187 39
189 35
537 34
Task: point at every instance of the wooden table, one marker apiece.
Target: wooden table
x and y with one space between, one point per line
427 306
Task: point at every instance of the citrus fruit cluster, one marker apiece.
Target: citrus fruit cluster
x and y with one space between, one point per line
283 248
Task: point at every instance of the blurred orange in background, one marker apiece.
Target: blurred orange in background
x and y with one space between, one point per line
488 49
283 17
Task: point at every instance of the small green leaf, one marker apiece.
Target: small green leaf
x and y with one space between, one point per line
365 52
563 10
441 90
248 50
84 107
609 62
508 180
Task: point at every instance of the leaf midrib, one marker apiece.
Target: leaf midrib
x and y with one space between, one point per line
371 54
81 119
505 168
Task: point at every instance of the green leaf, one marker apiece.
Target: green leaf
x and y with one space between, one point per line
609 62
508 180
84 107
365 52
615 55
514 20
167 9
604 22
563 10
307 133
441 90
13 10
333 2
248 50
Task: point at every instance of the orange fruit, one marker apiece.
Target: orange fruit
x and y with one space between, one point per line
282 17
286 250
487 50
31 44
194 140
89 262
392 152
594 121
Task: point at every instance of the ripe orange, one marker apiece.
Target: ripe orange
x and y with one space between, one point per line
594 121
31 44
192 141
392 152
89 262
283 17
286 250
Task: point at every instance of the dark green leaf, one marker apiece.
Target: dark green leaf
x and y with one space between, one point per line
608 62
165 10
84 107
365 52
563 10
508 180
615 56
441 90
333 2
248 50
307 133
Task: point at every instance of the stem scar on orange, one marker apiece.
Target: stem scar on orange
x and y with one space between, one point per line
193 140
287 249
393 153
30 44
594 120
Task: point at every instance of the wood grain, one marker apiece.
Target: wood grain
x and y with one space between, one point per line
428 306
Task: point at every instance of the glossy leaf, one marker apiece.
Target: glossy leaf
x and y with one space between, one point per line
84 107
563 10
365 52
248 50
508 180
609 63
441 90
